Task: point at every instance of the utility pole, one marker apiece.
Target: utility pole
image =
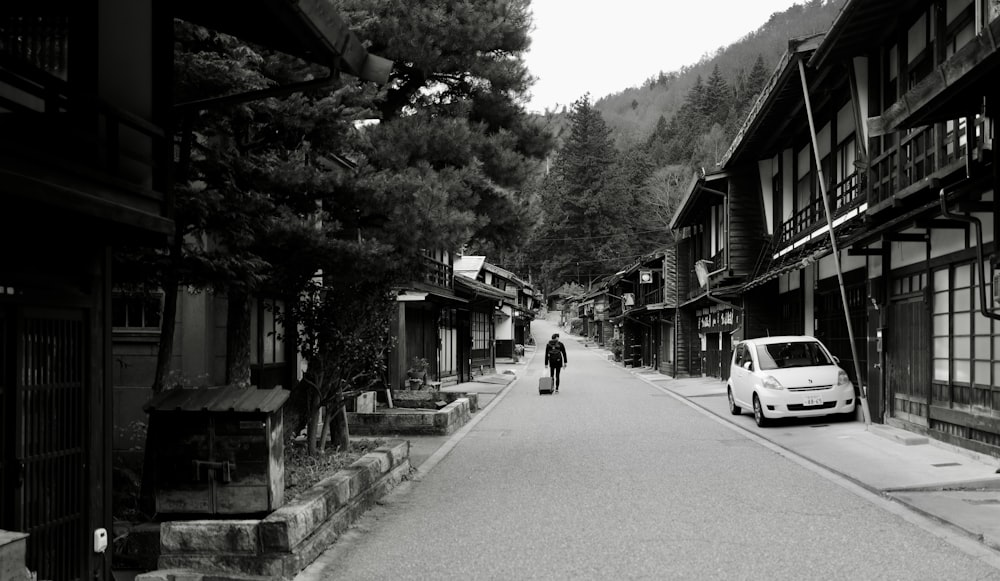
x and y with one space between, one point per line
862 389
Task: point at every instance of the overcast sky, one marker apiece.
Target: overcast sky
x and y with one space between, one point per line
581 46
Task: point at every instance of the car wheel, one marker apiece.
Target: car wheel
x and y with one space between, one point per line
758 413
733 408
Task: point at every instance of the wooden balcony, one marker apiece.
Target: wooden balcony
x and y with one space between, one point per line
652 296
845 196
437 273
74 152
921 153
717 261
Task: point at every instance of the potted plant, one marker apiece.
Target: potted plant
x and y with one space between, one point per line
417 373
617 348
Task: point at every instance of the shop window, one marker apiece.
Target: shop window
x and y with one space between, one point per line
480 330
964 348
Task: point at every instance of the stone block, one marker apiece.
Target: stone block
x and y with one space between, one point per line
286 527
13 548
396 450
373 466
209 537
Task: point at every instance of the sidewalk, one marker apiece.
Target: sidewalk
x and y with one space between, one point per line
944 482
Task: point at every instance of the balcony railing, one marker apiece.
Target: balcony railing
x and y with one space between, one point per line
920 153
718 260
844 196
652 295
42 118
438 273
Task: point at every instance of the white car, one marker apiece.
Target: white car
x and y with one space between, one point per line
788 377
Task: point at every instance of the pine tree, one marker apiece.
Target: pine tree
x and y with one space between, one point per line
715 106
756 80
585 203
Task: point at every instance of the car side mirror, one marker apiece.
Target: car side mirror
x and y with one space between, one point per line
836 360
748 365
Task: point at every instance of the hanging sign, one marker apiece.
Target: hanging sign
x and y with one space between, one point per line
717 319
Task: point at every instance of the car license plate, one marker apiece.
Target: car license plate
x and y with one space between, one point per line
813 400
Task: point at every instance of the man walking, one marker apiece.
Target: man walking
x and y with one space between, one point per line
555 358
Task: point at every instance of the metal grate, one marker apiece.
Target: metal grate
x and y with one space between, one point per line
53 428
6 482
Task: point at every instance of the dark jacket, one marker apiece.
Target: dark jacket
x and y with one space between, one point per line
555 353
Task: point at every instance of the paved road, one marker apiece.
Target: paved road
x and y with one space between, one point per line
615 479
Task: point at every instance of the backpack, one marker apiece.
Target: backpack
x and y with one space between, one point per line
554 354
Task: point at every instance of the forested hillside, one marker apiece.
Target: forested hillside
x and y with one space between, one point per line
633 113
625 159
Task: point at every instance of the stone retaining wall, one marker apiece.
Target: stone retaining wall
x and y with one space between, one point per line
442 422
290 538
426 399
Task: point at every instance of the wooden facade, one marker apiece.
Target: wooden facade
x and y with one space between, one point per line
897 154
642 301
930 113
85 167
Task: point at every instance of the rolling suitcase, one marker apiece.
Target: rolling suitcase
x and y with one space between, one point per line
544 385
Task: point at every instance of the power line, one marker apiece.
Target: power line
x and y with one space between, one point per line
575 262
599 237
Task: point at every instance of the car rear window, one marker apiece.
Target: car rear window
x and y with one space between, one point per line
792 354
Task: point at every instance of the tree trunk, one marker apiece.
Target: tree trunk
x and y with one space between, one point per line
168 319
168 326
338 424
314 409
324 434
295 412
238 338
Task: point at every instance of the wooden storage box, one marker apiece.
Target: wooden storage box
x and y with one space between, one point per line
217 450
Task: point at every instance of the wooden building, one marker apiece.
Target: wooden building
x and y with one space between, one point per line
860 191
923 77
515 307
721 240
433 322
86 143
84 166
644 307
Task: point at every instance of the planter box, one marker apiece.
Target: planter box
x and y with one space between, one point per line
426 399
412 421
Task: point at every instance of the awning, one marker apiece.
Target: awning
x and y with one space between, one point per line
419 291
714 296
230 398
476 290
